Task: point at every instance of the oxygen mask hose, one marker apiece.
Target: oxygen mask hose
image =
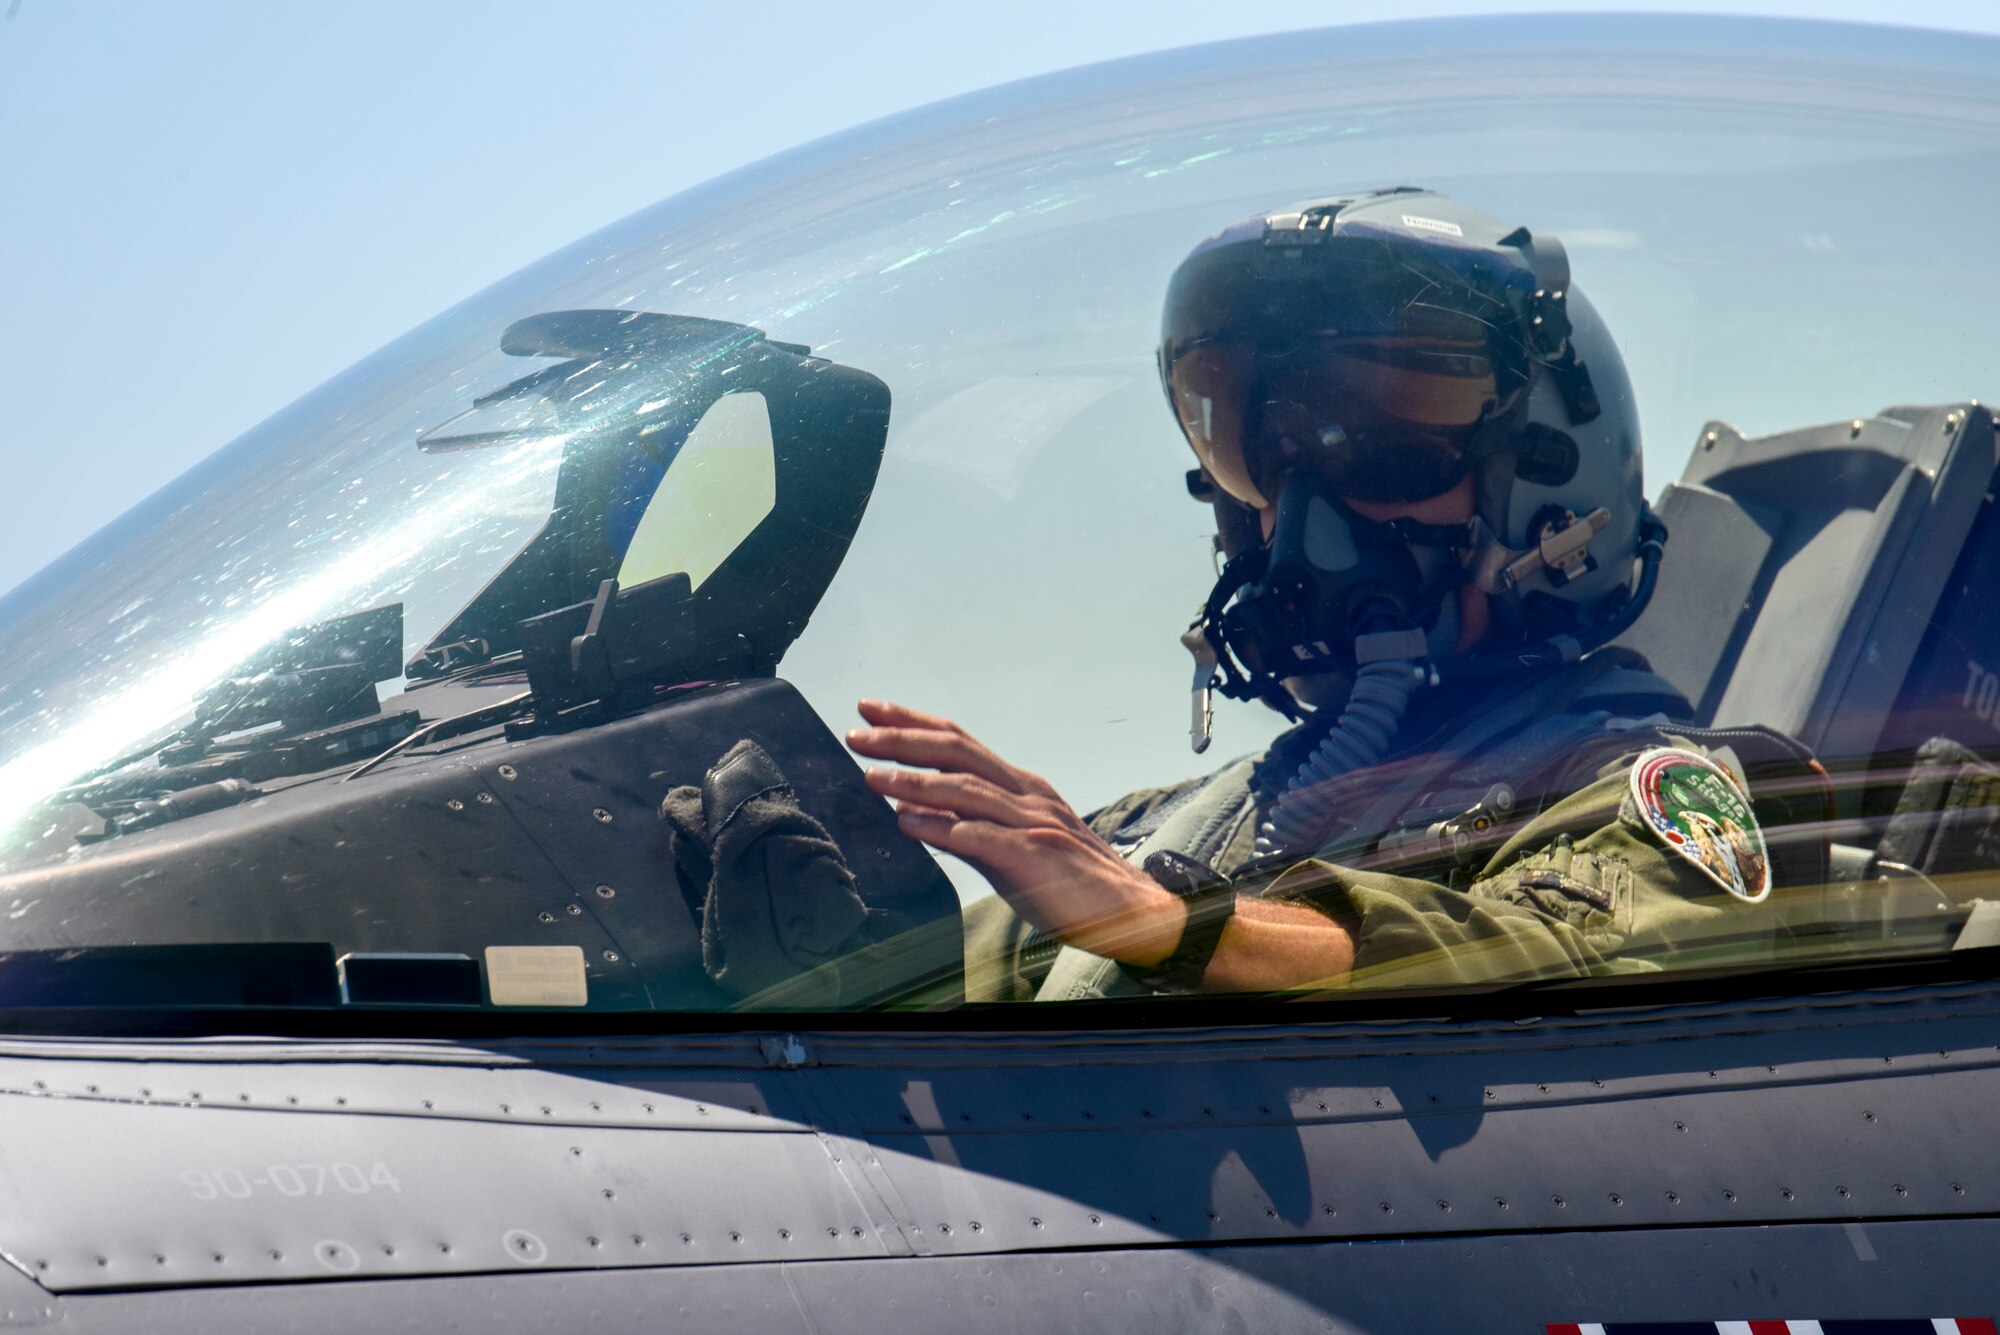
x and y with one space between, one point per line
1360 737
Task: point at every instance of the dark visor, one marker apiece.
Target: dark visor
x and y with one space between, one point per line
1381 417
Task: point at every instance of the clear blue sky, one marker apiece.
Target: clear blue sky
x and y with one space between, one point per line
209 209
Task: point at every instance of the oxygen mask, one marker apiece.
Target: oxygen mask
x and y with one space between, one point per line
1295 616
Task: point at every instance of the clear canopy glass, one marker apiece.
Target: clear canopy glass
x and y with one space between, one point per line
1782 224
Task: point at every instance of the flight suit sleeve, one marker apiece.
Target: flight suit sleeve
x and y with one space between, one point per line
1579 890
1114 816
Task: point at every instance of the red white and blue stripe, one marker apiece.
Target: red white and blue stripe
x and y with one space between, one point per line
1940 1325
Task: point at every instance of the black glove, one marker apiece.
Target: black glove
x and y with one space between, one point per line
777 897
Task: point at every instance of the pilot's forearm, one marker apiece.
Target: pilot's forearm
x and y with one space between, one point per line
1269 946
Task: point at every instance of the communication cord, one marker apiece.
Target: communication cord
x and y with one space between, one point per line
1360 737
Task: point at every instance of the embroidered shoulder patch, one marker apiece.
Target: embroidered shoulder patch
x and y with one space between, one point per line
1696 808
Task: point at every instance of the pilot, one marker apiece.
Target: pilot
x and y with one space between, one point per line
1422 451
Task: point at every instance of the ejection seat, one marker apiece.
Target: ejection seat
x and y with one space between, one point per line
1841 584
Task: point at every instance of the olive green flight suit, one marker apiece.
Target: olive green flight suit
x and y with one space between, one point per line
1567 883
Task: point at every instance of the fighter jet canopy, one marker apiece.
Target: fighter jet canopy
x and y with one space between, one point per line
396 703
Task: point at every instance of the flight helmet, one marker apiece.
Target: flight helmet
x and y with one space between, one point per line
1389 347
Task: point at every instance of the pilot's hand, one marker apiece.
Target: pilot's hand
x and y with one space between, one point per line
1016 829
1059 875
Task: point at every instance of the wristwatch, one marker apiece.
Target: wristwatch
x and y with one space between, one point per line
1210 898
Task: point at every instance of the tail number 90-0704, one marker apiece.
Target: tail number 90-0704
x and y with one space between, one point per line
290 1179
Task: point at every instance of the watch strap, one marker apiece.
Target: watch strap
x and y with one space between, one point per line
1210 898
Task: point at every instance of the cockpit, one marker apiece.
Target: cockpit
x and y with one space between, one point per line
509 672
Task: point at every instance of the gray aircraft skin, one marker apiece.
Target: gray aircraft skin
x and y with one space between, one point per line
334 1008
